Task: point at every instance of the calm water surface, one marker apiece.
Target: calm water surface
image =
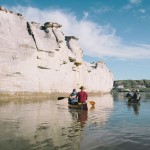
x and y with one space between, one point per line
50 125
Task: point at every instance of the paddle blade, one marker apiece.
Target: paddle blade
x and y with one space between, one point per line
92 108
60 98
92 103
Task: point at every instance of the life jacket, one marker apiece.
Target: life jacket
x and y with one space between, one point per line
72 99
138 96
129 95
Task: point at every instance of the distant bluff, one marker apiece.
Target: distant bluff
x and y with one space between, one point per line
142 85
40 58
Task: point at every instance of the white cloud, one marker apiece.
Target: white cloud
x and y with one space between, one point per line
95 40
131 4
135 1
86 14
102 9
142 10
127 7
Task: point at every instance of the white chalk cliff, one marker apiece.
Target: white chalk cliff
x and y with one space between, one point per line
40 58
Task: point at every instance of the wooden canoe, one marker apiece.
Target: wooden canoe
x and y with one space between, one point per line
79 106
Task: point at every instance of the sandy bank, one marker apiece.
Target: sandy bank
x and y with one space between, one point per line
4 96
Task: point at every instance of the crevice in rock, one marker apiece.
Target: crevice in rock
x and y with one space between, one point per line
14 57
43 67
31 33
56 38
50 53
67 42
38 57
16 73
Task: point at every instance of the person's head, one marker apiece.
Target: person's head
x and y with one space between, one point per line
74 90
82 88
137 90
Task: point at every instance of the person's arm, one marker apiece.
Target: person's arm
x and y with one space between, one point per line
86 96
70 96
77 95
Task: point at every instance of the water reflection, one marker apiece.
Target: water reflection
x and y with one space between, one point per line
80 116
49 124
92 108
103 108
134 106
120 96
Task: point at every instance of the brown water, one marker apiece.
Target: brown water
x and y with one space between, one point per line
50 125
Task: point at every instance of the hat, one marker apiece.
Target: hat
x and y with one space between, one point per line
137 90
82 88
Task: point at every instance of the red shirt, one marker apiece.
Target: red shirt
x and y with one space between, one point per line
82 96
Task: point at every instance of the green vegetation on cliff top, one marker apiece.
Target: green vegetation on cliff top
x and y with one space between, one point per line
143 85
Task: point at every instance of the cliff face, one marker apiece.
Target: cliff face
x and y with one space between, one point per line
40 58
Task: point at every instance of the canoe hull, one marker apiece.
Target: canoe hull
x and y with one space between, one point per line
133 100
80 107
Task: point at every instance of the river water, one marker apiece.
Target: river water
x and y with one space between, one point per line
51 125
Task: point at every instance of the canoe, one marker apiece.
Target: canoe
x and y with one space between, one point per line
133 100
79 106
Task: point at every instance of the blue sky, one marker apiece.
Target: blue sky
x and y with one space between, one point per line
115 31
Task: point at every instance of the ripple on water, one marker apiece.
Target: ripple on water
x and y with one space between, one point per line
49 124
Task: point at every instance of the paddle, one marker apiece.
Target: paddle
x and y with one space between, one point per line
60 98
92 103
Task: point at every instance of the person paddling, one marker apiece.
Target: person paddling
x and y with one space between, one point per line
82 97
136 96
129 94
72 98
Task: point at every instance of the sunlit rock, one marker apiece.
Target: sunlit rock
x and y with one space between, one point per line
40 58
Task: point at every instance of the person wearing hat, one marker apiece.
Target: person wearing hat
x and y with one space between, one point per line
82 97
136 96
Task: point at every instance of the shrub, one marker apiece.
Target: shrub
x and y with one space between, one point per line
72 59
77 63
64 62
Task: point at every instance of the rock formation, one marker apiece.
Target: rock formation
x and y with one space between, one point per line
40 58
